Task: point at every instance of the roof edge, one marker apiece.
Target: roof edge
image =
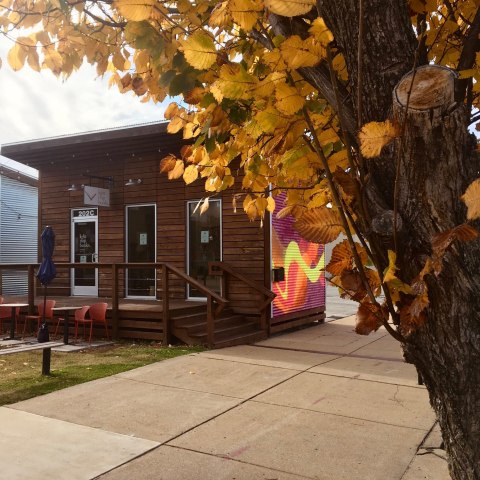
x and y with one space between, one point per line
82 137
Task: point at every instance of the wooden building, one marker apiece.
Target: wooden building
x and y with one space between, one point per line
103 194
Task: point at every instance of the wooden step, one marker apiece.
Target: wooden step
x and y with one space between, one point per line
230 329
226 331
241 339
194 325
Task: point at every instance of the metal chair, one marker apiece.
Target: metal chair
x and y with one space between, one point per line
49 304
97 314
79 316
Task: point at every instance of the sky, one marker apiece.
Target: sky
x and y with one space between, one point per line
37 105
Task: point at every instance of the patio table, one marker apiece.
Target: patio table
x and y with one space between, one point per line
13 306
66 311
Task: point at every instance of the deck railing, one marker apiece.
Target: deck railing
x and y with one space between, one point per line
215 302
226 271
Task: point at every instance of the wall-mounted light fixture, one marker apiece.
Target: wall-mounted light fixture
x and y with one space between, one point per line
133 181
74 188
107 182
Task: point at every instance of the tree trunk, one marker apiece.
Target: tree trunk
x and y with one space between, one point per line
436 167
437 162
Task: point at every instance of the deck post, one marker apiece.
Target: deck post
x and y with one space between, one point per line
224 285
264 321
47 354
165 306
115 301
31 290
210 324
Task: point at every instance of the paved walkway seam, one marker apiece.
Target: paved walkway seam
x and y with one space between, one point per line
345 416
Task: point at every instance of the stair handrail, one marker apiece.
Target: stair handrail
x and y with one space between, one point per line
211 295
199 286
214 268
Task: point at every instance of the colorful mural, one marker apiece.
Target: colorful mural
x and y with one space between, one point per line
304 264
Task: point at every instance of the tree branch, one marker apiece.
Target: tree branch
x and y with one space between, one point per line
467 57
318 76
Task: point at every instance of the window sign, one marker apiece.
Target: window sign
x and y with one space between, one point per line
143 239
204 236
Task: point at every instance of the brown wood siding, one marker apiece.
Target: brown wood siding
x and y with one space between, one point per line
61 166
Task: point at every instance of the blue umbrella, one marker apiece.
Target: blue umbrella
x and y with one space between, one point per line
46 273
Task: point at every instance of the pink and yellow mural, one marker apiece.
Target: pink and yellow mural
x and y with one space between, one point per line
304 264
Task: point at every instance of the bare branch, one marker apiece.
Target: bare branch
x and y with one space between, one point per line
467 57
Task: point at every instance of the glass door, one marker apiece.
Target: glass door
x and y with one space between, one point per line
204 245
141 247
84 281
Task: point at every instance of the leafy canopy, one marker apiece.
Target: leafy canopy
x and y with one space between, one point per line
248 107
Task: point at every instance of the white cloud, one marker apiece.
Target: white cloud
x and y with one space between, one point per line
36 105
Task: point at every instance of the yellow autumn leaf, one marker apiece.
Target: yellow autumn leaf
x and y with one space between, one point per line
471 198
220 15
199 50
250 207
320 225
338 160
171 111
289 101
33 60
375 135
389 273
190 174
177 170
289 8
320 31
301 53
53 60
269 119
328 136
167 163
270 204
16 57
135 10
234 82
467 73
245 12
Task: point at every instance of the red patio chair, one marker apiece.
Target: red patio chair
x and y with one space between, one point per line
79 316
49 304
5 313
97 314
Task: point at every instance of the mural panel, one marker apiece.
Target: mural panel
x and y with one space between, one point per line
303 286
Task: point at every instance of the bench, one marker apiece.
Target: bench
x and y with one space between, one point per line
28 347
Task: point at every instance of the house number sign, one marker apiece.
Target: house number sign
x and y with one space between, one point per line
87 212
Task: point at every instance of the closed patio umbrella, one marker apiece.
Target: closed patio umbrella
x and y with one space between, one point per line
46 273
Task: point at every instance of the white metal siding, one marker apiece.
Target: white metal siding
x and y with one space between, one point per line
18 231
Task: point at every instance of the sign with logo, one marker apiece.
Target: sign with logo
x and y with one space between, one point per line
96 196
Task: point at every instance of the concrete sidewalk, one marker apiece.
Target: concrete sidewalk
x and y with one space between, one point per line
318 403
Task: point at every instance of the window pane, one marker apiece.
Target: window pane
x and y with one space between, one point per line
204 245
141 248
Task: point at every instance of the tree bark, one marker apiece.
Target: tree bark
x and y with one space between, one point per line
437 162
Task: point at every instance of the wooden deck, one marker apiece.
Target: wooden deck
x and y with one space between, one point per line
130 304
137 318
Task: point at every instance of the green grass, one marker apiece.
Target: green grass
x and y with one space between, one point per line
20 374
